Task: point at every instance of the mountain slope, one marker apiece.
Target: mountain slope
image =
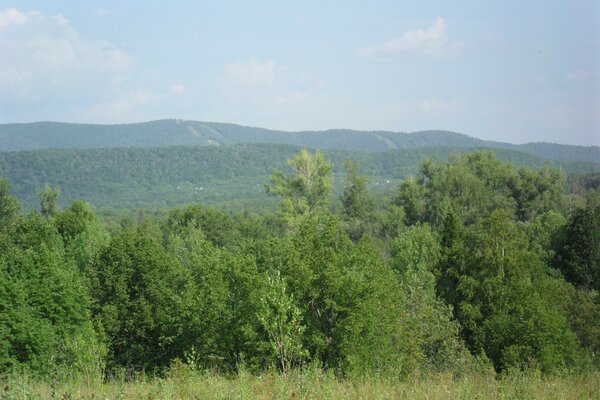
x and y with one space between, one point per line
229 174
56 135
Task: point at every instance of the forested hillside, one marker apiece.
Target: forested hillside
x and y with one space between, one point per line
55 135
232 175
474 267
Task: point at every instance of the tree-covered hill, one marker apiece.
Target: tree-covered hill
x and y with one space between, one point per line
56 135
474 267
224 175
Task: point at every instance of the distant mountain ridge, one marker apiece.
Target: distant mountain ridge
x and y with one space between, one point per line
170 132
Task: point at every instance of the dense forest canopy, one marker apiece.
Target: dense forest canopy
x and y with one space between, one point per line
472 265
231 176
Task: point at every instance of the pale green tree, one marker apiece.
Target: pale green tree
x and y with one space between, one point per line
281 319
307 189
48 200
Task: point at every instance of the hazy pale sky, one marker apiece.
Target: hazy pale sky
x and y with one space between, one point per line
515 71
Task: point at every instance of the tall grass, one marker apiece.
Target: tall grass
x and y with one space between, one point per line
310 383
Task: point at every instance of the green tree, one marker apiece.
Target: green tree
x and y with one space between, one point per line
509 309
416 253
473 185
44 304
83 234
217 226
536 192
138 300
220 299
307 189
578 249
411 197
281 319
48 200
357 203
9 205
452 281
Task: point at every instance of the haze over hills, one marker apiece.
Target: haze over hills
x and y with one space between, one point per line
58 135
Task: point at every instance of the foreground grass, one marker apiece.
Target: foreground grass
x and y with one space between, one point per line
306 385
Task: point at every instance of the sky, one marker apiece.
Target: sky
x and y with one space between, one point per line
512 71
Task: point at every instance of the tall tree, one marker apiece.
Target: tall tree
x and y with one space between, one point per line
416 253
507 304
307 189
281 319
578 249
44 303
357 203
48 200
9 205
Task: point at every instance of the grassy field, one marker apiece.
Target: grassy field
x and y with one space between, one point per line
306 385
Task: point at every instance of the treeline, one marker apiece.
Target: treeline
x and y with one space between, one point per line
180 175
473 265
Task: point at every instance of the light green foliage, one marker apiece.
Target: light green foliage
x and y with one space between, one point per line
476 184
376 334
203 291
49 200
416 249
220 298
353 314
281 319
84 236
307 189
389 222
348 298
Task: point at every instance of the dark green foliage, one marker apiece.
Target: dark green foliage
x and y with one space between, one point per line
138 300
44 303
578 249
536 192
505 302
217 227
357 203
411 197
9 205
451 281
415 254
358 206
583 312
